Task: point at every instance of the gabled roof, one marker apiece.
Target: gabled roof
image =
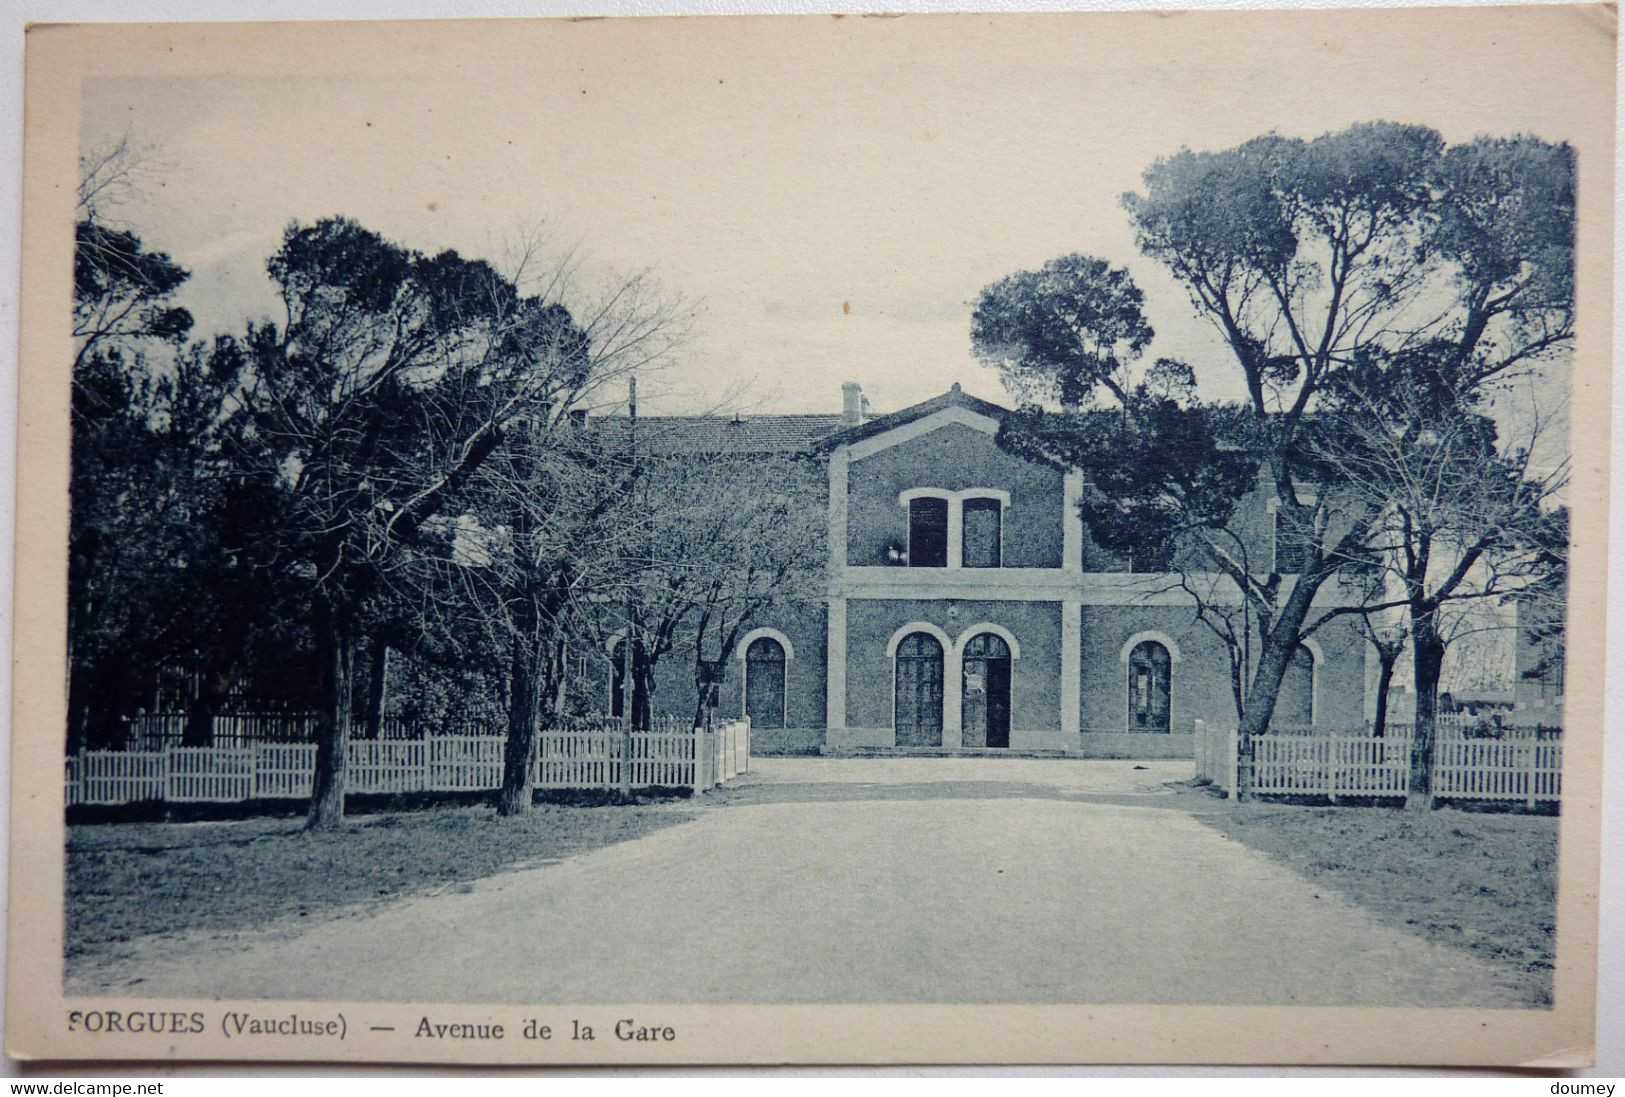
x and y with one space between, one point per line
672 435
953 398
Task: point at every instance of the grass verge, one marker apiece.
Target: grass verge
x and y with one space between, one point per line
1486 883
133 879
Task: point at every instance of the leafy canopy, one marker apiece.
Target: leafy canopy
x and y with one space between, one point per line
1060 332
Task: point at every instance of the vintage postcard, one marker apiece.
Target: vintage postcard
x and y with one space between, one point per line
927 539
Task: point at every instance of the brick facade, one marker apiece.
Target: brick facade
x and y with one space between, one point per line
1070 638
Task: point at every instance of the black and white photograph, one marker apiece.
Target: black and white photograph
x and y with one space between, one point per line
1030 538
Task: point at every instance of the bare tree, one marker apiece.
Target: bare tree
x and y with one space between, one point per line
1389 643
391 381
539 530
1463 514
726 535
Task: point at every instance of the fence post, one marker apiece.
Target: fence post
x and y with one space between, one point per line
1331 765
699 758
1232 762
1433 765
1530 746
1200 729
747 742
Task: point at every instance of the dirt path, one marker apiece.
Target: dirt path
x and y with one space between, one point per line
872 880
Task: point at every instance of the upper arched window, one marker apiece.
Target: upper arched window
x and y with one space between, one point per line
961 528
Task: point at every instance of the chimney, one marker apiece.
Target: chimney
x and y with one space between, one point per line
852 404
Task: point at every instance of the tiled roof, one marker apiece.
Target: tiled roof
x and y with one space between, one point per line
702 434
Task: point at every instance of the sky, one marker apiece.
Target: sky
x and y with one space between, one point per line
832 195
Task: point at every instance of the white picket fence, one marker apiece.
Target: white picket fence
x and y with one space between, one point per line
1522 767
671 755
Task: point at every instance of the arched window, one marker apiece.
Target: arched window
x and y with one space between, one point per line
917 713
1295 704
764 683
1150 687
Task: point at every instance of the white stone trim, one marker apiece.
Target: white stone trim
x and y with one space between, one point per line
838 468
919 626
956 521
908 495
954 534
835 666
986 493
1100 588
1071 522
923 426
1000 631
1071 669
1149 634
755 634
1128 696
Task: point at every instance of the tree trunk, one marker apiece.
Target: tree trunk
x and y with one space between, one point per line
643 673
212 687
377 687
335 653
1427 655
1275 655
1272 663
708 675
81 711
1238 683
78 728
524 713
1385 676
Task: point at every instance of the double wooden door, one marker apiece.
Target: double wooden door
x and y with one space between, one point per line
918 715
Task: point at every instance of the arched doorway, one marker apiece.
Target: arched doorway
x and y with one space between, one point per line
764 683
985 673
917 715
1150 687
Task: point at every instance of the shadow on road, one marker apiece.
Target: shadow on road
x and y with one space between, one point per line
1172 796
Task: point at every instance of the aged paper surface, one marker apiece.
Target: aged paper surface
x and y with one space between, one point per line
1300 74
